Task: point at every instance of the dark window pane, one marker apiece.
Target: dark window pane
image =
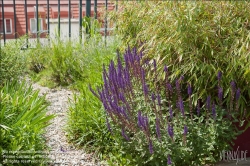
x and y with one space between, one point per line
1 26
8 26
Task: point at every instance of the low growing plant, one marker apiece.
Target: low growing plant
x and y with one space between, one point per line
159 124
22 122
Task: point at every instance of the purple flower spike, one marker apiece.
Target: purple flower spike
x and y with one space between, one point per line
181 78
125 135
238 94
181 106
153 97
233 86
170 131
219 75
158 129
165 68
220 93
169 160
185 130
214 111
145 89
159 99
169 87
140 123
151 151
189 90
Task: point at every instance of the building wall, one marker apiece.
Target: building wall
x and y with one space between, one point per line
42 9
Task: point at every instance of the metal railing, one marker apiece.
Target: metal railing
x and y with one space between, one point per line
88 4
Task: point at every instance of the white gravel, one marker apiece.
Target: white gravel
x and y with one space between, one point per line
61 152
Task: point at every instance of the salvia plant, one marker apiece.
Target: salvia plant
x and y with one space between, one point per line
158 121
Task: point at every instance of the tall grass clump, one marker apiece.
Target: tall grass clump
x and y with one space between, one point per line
58 63
159 124
196 39
87 122
22 122
12 61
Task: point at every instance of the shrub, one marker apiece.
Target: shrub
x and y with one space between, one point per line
22 122
159 124
196 39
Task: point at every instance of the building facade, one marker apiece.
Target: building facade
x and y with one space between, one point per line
20 18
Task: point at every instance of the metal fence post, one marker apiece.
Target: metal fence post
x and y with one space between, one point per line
80 20
37 22
95 8
26 22
69 19
106 21
48 23
59 17
14 6
88 14
4 37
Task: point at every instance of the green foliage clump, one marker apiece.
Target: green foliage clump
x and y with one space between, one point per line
22 122
196 39
87 121
12 61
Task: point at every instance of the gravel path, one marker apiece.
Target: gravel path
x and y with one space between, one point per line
61 152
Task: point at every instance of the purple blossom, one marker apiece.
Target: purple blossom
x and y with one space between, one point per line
214 111
142 121
181 78
93 92
145 89
165 68
170 131
169 160
220 93
181 106
158 132
153 97
189 90
124 113
208 103
185 130
124 134
238 94
151 150
219 75
159 99
169 87
233 86
177 84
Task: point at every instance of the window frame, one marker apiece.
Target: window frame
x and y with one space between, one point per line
41 25
5 28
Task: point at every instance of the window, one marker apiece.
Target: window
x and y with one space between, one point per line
7 26
33 25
